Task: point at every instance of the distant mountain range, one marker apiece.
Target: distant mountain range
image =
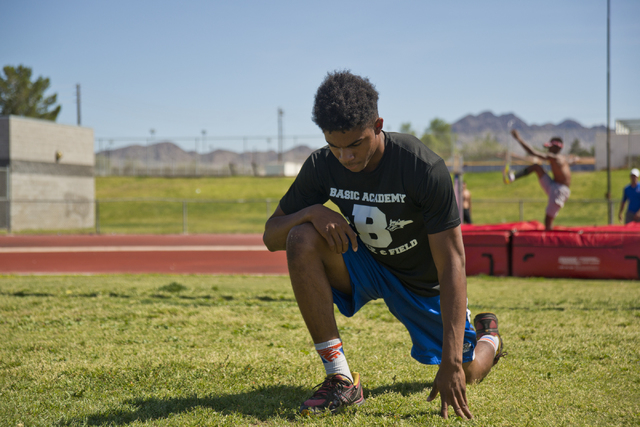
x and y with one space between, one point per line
467 130
470 128
168 153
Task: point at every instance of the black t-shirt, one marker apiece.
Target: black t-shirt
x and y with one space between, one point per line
393 209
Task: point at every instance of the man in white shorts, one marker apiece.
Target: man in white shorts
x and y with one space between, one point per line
557 188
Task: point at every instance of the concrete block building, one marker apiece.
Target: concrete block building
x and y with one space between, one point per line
46 175
625 146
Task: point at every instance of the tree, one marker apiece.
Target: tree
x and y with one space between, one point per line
438 137
578 150
22 97
487 148
407 128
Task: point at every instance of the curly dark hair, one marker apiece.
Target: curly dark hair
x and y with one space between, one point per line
345 101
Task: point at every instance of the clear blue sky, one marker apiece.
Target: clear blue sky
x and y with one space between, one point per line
226 66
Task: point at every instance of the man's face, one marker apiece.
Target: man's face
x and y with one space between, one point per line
357 149
554 149
634 180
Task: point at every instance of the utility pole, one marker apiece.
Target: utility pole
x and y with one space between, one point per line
109 156
609 205
152 131
101 160
244 153
78 102
204 137
280 114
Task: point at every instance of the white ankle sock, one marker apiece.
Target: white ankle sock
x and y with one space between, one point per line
333 358
493 340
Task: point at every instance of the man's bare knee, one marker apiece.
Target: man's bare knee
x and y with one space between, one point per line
302 241
308 253
539 170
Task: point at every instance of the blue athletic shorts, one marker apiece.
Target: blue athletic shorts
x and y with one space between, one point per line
419 314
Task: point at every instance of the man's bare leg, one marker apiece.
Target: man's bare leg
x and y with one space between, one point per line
548 223
531 168
313 270
480 367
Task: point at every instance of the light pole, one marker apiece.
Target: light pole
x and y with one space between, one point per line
109 155
78 103
609 205
101 160
152 132
280 114
244 153
204 147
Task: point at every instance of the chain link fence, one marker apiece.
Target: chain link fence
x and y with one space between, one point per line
575 212
188 216
172 216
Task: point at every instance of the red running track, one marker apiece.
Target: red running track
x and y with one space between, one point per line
178 254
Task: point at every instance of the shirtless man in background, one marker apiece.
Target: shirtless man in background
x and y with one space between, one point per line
557 188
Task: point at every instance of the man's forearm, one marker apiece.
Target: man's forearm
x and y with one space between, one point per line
448 254
278 226
453 306
530 150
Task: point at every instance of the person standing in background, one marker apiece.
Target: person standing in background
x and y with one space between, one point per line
466 204
631 193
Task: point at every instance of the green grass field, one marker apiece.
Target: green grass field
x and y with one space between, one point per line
493 202
134 350
213 202
202 216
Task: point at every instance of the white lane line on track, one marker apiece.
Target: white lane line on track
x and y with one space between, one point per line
63 249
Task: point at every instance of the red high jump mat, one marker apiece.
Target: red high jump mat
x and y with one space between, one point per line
596 253
487 252
487 247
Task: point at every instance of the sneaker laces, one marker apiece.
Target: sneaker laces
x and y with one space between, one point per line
501 352
324 388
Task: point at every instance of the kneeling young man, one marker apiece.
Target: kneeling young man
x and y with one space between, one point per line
401 241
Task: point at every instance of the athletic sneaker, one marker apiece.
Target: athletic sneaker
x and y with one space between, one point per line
487 324
507 176
333 394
